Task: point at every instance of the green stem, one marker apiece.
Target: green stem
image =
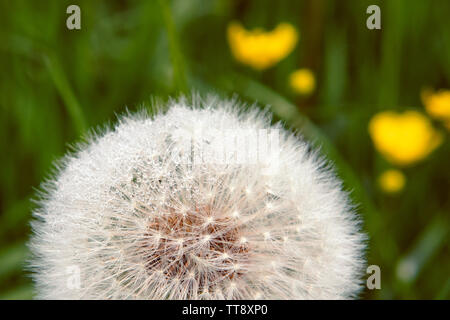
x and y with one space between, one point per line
64 89
430 241
176 55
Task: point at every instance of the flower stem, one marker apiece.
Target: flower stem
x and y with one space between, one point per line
176 55
64 89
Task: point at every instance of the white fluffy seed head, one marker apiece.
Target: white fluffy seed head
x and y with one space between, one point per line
124 217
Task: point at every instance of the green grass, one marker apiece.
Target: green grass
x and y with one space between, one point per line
56 84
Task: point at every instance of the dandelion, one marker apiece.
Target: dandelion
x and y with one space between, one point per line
141 220
403 138
392 181
302 81
437 104
261 49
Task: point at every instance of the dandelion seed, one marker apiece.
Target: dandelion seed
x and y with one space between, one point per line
136 222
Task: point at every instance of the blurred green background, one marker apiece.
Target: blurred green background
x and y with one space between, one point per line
55 84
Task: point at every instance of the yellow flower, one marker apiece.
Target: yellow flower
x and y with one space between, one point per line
302 81
260 49
392 181
403 138
437 104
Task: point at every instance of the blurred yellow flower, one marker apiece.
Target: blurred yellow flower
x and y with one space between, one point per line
302 81
261 49
437 104
392 181
403 138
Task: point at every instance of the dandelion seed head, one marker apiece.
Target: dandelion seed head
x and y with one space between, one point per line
141 220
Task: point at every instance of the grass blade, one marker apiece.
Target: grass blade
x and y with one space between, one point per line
64 89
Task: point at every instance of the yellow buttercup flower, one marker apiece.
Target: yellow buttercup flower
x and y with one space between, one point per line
261 49
302 81
437 104
403 138
392 181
